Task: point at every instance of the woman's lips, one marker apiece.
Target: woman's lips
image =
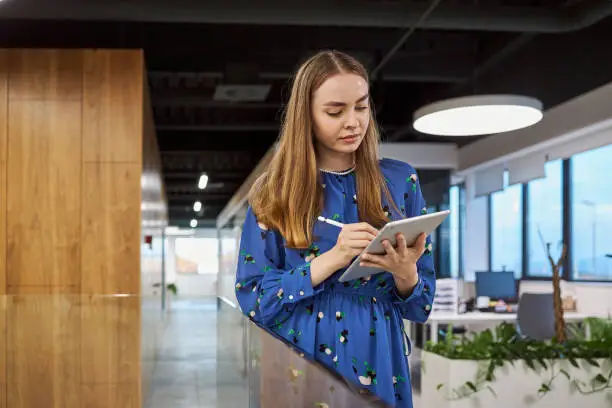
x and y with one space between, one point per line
349 139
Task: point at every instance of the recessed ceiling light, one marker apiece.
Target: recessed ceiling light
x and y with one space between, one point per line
478 115
203 181
197 206
193 223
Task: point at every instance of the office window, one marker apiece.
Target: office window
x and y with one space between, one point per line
591 198
197 255
457 225
544 214
507 229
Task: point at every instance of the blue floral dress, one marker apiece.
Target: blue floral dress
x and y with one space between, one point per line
356 327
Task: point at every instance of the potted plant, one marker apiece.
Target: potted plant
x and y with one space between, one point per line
502 369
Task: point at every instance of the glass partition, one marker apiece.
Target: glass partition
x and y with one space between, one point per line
277 375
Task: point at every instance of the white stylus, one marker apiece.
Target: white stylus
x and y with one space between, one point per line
331 222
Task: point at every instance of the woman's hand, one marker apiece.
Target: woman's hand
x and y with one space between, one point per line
400 261
352 240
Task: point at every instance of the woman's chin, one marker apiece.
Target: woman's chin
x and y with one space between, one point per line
347 146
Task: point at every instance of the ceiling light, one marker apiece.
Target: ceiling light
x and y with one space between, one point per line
197 206
193 223
203 181
478 115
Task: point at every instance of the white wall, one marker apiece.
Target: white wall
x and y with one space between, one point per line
423 155
191 285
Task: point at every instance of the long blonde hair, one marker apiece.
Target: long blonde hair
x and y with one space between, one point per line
288 197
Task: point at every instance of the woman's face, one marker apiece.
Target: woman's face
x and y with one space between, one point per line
340 112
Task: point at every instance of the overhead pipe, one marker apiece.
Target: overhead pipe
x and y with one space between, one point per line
309 13
411 29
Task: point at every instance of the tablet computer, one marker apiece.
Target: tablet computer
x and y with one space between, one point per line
410 227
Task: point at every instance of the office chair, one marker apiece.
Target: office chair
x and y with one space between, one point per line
536 316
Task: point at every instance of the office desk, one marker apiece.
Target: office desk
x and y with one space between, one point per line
465 319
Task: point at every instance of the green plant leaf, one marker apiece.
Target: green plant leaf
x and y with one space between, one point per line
592 362
600 379
544 388
439 387
565 373
471 386
574 363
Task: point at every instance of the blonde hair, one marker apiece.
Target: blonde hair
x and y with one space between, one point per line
288 197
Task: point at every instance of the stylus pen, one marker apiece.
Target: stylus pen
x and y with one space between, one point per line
331 222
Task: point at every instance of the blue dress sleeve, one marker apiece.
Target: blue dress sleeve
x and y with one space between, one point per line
417 306
266 290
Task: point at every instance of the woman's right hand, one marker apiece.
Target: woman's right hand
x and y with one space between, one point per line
353 239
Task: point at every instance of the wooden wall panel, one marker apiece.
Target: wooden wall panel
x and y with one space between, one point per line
44 197
111 228
112 106
110 333
3 103
110 395
46 75
3 132
43 359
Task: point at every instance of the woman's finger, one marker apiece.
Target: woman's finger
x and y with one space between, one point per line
373 258
357 235
402 246
388 248
358 243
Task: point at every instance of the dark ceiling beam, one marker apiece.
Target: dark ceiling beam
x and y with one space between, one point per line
217 187
184 222
208 197
168 99
271 127
255 142
309 13
403 68
225 176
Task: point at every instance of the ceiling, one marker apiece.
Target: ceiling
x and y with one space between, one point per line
219 70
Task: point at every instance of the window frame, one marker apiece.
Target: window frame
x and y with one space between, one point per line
566 228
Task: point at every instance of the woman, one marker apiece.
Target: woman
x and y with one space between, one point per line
287 279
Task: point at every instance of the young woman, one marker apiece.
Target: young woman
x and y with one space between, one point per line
287 279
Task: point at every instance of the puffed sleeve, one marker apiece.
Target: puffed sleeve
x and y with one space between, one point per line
417 306
266 290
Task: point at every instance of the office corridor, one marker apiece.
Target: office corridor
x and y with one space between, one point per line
188 372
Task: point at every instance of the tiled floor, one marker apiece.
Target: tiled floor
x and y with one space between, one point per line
187 373
193 370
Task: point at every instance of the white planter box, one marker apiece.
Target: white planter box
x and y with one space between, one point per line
514 387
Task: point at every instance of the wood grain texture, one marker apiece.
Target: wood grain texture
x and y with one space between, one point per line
3 221
110 340
111 228
112 106
43 358
44 197
3 301
3 135
110 395
3 103
45 74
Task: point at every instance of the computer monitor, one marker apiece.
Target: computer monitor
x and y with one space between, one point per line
497 285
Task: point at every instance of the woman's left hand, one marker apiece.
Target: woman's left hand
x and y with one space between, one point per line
400 261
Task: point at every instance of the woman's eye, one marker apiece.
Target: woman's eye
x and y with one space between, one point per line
361 108
334 114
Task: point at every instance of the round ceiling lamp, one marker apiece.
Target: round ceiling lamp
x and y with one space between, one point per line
478 115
